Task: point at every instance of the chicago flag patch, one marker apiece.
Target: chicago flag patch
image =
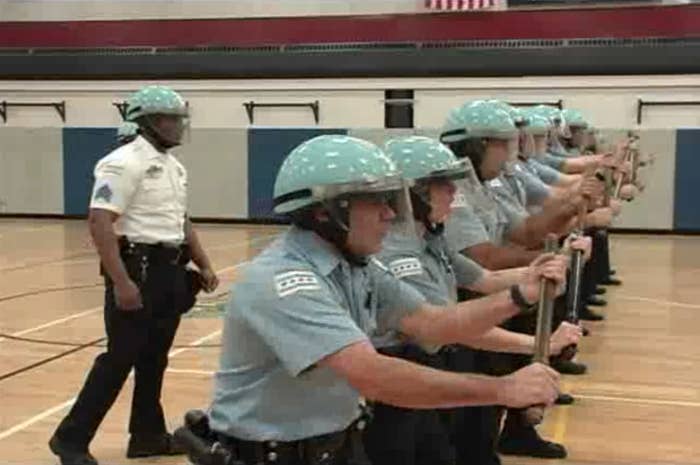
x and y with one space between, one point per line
291 282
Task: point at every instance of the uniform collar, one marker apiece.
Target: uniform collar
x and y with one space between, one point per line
148 150
315 249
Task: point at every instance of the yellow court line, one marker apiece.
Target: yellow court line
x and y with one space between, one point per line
634 400
562 417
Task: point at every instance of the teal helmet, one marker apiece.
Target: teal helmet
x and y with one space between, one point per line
155 100
421 158
331 166
537 124
480 119
574 119
551 113
127 131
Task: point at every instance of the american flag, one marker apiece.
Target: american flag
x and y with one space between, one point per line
464 5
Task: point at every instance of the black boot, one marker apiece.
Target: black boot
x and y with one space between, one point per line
162 444
611 282
564 399
589 315
569 367
70 455
524 440
596 301
600 290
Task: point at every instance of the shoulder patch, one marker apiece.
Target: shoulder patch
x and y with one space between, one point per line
291 282
496 183
103 193
405 267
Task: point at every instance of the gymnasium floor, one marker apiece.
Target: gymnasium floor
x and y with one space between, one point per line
639 404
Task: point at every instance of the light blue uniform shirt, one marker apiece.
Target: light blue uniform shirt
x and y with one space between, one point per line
508 195
535 191
428 264
475 218
546 173
294 304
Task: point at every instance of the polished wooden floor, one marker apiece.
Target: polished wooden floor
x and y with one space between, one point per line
640 403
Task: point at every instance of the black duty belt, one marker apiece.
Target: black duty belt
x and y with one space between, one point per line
315 450
161 252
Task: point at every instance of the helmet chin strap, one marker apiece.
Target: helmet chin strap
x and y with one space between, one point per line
335 230
149 130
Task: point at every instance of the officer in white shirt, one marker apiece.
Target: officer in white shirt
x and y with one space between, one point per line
139 225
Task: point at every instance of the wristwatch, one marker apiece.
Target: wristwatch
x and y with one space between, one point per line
519 300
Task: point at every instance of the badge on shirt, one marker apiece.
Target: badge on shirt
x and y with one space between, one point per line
154 171
405 267
291 282
104 193
460 200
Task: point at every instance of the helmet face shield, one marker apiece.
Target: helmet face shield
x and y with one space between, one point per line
390 192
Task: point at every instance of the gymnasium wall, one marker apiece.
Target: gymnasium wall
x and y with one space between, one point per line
46 164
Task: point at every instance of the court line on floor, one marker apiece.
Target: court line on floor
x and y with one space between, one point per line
57 408
633 400
562 417
99 308
656 301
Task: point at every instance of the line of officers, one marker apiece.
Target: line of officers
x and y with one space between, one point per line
393 322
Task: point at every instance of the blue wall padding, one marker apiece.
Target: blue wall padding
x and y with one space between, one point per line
267 149
686 214
82 148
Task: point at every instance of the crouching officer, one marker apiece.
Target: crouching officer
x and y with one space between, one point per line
144 239
296 353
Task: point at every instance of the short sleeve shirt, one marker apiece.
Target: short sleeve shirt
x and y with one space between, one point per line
146 188
296 303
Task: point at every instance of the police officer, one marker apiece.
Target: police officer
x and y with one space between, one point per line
420 256
485 133
139 226
297 358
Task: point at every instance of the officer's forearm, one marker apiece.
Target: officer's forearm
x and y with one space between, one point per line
495 281
495 257
100 223
405 384
199 256
451 324
579 164
554 219
501 340
409 385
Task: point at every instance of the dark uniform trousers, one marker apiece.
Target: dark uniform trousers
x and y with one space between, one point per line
138 339
406 436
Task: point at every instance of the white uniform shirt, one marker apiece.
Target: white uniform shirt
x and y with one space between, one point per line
146 188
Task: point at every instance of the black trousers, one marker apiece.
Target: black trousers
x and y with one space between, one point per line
138 339
406 436
473 430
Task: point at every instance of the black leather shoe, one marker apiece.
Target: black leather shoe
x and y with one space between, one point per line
564 399
589 315
596 301
530 445
569 367
149 446
612 272
600 290
586 331
611 282
70 455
